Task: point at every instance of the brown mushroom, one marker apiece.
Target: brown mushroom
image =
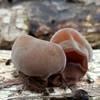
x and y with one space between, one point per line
35 57
78 52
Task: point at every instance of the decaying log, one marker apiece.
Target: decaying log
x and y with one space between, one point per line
11 89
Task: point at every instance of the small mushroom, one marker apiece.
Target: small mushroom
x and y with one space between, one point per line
78 52
38 58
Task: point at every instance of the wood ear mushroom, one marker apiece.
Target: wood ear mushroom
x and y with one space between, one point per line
78 52
62 60
35 57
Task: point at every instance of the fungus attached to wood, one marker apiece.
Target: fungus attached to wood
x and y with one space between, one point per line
78 52
62 61
38 58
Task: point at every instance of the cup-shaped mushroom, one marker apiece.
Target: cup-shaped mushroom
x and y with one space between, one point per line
76 38
35 57
78 52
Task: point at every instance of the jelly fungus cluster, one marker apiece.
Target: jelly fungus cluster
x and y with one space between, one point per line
67 53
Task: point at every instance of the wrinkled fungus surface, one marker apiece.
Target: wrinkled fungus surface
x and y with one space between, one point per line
60 62
78 52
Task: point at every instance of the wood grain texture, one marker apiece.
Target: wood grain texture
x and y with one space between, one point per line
12 89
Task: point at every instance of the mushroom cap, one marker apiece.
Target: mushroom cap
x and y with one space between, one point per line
77 50
35 57
71 38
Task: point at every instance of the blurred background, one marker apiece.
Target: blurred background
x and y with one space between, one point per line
42 18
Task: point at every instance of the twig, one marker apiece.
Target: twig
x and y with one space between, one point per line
37 97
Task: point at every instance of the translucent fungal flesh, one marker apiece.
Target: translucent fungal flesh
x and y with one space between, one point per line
77 50
35 57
